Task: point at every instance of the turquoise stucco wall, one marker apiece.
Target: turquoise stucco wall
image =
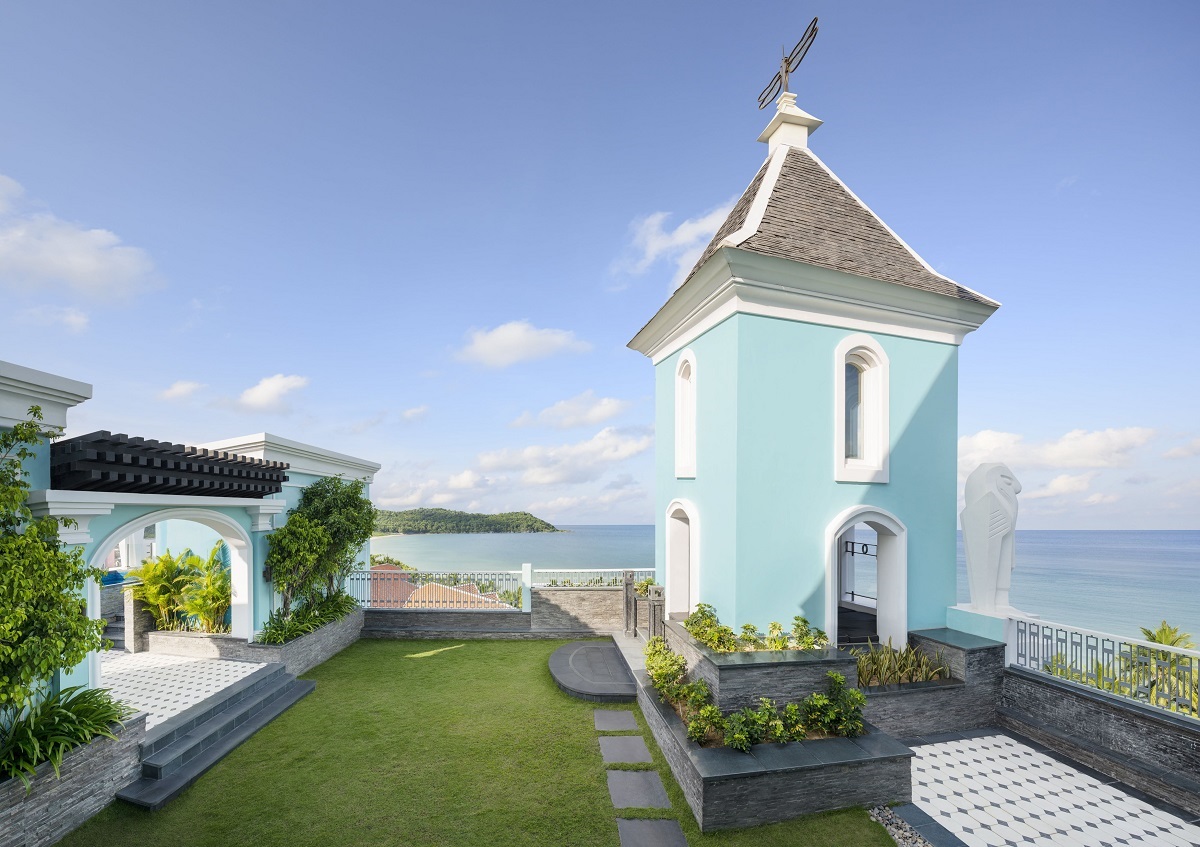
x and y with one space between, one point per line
177 536
765 487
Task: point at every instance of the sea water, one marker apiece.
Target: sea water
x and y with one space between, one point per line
1112 581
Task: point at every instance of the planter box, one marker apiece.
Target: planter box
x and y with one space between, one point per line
739 679
298 656
91 776
777 782
597 609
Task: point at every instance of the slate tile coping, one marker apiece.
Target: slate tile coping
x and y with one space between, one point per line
926 826
824 655
713 763
957 639
637 790
645 833
624 749
614 720
906 687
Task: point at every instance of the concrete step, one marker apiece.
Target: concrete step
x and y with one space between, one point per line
154 793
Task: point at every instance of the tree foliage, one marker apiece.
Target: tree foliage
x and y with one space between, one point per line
44 625
421 521
341 507
295 554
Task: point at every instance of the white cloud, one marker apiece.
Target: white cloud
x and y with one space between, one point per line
581 410
682 246
43 251
415 413
1099 499
569 463
467 480
70 319
270 393
180 390
1079 448
1062 484
518 341
1184 451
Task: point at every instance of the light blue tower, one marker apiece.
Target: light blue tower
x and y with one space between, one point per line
806 382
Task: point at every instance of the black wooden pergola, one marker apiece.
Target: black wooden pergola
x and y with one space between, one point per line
102 461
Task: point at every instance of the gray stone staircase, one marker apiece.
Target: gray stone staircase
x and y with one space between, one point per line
178 751
114 631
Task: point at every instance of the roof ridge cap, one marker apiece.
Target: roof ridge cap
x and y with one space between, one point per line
758 207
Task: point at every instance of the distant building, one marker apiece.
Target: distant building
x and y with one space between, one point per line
806 383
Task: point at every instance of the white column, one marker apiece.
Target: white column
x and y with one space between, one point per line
526 586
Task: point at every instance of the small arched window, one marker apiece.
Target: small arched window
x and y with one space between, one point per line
861 435
685 415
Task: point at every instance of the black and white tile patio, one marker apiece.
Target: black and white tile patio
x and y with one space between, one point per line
164 685
992 789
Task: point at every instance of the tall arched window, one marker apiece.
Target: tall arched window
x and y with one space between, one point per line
862 439
685 415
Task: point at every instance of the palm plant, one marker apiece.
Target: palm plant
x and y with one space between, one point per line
1174 678
163 583
209 595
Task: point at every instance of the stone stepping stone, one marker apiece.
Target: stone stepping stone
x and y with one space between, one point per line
609 720
624 748
650 833
637 790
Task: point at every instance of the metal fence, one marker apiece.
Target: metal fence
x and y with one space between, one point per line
587 577
1155 674
397 589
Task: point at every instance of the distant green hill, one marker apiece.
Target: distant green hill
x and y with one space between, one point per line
420 521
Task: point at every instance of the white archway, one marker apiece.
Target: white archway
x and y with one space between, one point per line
892 603
683 558
241 557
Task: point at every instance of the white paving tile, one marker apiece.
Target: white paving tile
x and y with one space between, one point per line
1012 794
162 685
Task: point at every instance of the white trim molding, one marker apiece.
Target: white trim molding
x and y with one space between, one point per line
686 422
672 574
303 458
22 387
865 353
891 622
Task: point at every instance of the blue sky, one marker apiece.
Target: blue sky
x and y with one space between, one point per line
423 233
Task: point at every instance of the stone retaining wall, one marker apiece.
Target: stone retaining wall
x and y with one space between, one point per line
91 777
298 656
598 609
776 782
439 620
740 679
1148 748
967 701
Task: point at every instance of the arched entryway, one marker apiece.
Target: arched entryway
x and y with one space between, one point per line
891 570
683 557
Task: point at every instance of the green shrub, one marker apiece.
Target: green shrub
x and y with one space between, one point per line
381 559
282 627
883 664
642 586
665 668
209 596
837 712
164 580
807 637
706 724
776 638
702 625
51 728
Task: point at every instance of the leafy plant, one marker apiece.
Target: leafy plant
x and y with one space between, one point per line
776 638
44 624
665 668
807 637
381 559
164 580
282 627
707 724
51 727
883 664
837 712
702 624
348 517
209 595
294 559
642 586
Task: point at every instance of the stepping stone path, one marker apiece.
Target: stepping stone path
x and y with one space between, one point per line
636 789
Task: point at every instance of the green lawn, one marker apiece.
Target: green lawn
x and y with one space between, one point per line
428 743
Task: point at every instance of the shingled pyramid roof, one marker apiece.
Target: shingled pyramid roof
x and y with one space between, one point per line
808 215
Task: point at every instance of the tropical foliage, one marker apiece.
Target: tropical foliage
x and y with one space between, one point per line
163 580
304 619
209 596
704 626
421 521
883 664
44 625
837 712
378 559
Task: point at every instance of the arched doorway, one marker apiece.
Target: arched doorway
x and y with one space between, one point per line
236 538
683 555
890 552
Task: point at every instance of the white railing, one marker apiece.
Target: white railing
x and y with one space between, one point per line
396 589
587 577
1154 674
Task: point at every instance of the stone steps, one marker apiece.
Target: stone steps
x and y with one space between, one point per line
179 751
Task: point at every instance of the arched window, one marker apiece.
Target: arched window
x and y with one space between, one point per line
685 415
862 439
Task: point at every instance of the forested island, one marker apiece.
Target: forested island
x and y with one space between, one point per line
425 521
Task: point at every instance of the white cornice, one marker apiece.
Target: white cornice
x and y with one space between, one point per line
741 281
22 387
303 458
82 506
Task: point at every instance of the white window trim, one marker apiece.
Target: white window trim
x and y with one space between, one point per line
685 450
875 397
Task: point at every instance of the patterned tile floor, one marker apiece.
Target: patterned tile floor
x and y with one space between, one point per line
995 789
166 685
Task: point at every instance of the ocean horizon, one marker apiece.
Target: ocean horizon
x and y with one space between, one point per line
1106 580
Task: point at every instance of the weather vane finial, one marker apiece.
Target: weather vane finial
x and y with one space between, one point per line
787 66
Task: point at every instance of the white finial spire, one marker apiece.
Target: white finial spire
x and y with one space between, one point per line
790 125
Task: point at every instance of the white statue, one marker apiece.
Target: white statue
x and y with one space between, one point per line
989 519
